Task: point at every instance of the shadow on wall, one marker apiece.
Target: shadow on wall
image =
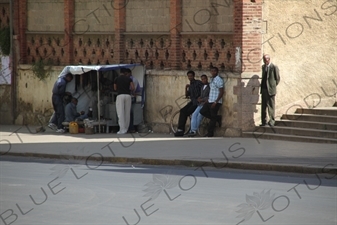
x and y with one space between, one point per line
250 99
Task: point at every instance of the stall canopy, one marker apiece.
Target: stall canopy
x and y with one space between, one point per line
88 97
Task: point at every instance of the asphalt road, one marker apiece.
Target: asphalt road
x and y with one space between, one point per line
42 191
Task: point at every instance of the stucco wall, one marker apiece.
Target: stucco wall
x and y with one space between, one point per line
148 16
302 40
207 15
94 16
165 96
34 96
44 15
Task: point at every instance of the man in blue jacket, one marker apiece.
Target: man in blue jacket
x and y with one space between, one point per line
59 91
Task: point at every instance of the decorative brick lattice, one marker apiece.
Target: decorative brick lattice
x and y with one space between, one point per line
45 47
204 51
4 15
153 51
93 49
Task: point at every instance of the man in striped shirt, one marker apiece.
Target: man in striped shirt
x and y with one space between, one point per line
192 90
211 108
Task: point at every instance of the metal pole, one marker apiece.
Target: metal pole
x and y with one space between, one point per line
98 104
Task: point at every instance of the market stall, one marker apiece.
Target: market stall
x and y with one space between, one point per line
93 87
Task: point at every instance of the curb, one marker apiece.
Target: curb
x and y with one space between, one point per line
187 163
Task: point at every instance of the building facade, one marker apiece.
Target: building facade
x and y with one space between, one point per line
171 37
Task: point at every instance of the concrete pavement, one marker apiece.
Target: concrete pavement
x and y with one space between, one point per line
164 149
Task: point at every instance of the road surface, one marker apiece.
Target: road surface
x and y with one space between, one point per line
45 191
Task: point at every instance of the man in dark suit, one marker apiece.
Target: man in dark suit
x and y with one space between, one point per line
270 79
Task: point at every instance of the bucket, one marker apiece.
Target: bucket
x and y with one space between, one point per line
73 128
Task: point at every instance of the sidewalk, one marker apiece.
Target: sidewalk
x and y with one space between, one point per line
164 149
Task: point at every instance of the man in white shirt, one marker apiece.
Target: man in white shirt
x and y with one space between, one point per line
211 108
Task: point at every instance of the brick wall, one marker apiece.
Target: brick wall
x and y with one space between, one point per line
22 27
67 53
247 40
120 28
192 40
148 32
248 34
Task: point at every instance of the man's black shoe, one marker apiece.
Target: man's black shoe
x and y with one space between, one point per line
263 125
179 134
219 120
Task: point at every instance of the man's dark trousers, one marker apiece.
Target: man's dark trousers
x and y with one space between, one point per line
59 111
212 114
268 101
186 111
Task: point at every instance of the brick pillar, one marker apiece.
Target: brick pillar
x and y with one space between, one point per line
120 27
248 33
175 29
69 20
20 7
248 40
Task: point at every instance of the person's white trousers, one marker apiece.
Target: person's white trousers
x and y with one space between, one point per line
123 107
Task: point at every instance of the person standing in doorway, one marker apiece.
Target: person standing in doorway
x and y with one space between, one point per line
123 85
211 108
270 79
59 91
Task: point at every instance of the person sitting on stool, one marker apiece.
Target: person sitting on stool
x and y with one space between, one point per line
71 112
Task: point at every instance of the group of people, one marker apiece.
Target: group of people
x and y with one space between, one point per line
127 88
65 106
205 101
